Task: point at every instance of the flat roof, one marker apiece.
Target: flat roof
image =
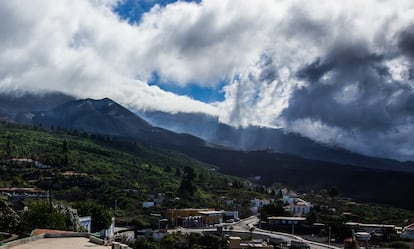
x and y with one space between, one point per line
61 243
234 238
212 212
369 225
32 190
189 209
286 218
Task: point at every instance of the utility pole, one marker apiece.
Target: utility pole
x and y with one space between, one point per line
116 202
329 236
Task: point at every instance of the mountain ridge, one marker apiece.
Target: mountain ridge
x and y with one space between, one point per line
106 117
383 185
253 138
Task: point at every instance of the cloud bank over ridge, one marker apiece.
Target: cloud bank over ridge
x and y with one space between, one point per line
339 73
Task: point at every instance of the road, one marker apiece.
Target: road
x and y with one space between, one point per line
246 225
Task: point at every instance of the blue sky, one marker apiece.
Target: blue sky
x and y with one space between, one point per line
205 94
334 71
132 11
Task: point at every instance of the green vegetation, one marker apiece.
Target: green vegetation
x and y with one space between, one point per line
273 209
101 218
79 167
9 219
399 244
343 209
187 187
43 215
178 240
144 244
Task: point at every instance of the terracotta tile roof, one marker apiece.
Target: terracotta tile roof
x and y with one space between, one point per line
409 227
39 231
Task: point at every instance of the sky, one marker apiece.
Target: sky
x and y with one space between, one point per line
339 72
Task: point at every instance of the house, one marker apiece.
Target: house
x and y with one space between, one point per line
212 217
256 204
28 162
282 220
370 228
259 202
299 207
86 222
73 174
186 217
236 243
148 204
408 232
42 166
190 221
184 212
286 224
231 215
191 217
109 232
23 192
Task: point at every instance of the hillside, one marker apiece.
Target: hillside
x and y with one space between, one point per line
103 169
363 184
375 180
107 117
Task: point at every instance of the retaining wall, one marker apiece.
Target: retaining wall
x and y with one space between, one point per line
92 239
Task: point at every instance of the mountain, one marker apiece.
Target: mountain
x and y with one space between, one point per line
94 116
384 183
108 118
20 107
263 138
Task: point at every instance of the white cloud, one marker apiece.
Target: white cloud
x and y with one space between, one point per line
81 48
259 47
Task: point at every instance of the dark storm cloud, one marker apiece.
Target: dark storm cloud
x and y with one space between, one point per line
352 91
406 41
314 71
374 109
406 45
358 92
268 70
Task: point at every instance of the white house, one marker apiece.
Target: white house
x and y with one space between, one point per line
86 222
408 232
255 204
110 231
298 207
259 203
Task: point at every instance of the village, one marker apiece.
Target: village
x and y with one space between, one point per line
292 226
